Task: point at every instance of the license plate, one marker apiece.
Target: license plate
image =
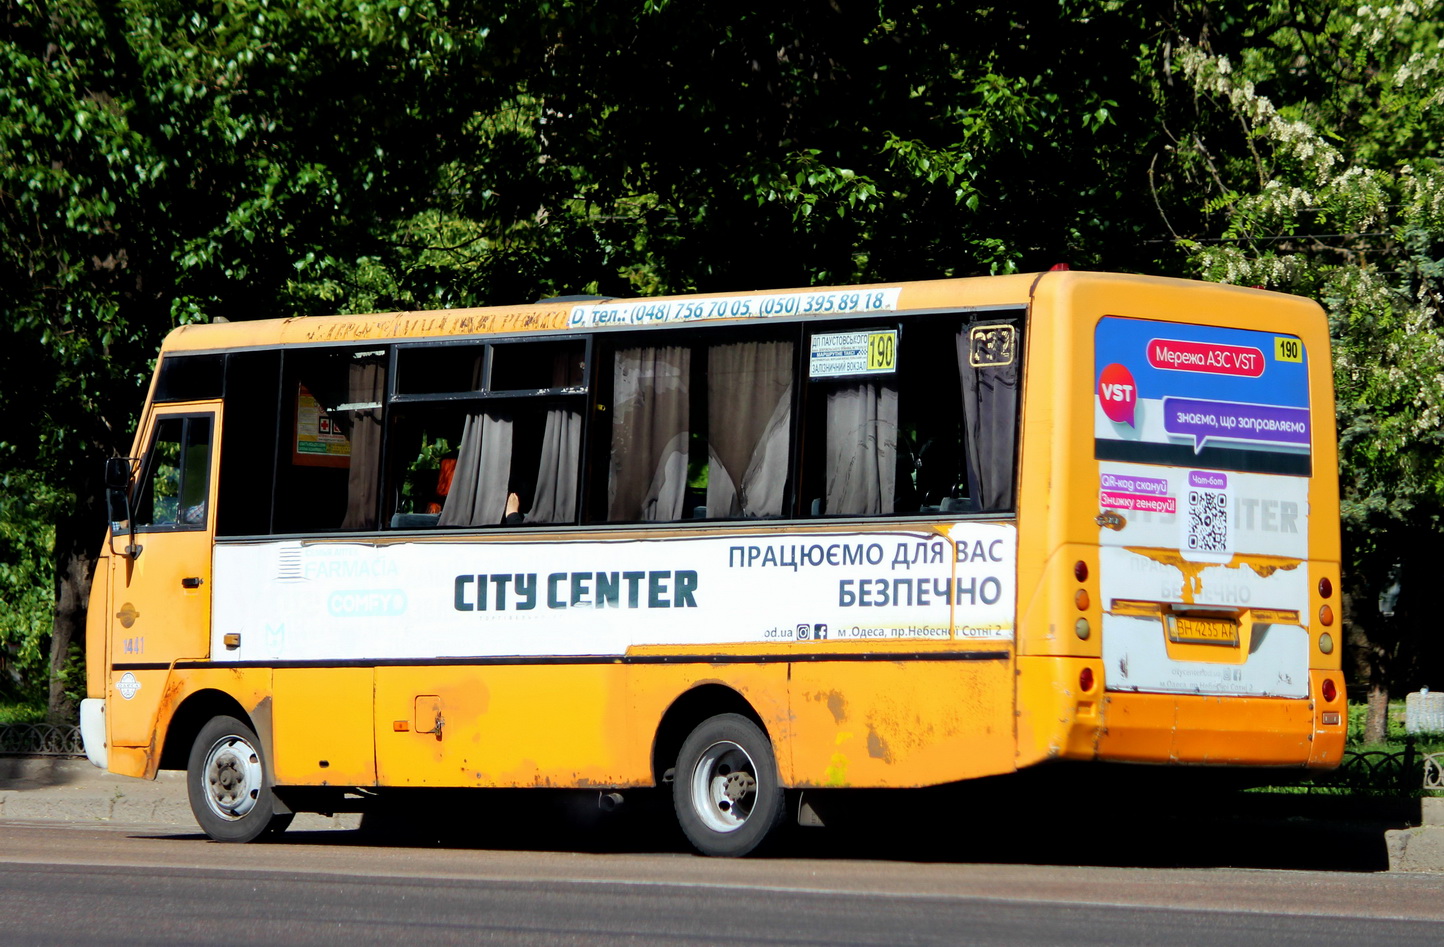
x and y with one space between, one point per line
1185 630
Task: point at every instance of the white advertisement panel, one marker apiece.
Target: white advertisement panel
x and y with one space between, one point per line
337 600
1210 538
1207 515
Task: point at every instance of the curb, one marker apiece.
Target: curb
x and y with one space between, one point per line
1420 848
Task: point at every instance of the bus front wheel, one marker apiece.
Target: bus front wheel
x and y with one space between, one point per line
226 781
726 789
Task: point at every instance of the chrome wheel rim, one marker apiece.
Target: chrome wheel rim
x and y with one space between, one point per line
233 778
724 786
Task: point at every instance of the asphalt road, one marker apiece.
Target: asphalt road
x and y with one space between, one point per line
67 884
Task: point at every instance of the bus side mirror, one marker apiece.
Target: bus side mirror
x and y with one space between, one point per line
117 502
117 473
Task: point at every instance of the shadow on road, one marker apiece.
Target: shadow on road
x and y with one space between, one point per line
1061 816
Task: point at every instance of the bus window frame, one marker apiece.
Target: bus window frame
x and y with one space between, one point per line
697 338
581 396
147 468
905 323
488 348
595 393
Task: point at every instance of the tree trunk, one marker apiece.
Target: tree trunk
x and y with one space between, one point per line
1376 721
74 567
1369 647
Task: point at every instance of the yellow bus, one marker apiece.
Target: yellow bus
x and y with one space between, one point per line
743 547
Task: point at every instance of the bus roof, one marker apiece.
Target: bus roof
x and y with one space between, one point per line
560 316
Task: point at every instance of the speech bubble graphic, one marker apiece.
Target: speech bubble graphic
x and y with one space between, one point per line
1117 393
1233 421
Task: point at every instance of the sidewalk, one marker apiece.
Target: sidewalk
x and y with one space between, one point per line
68 790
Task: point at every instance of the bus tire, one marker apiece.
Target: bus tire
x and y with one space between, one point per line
726 788
227 782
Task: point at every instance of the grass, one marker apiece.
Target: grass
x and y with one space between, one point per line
1395 737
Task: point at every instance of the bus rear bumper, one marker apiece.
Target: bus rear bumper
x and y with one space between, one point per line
1240 731
1174 728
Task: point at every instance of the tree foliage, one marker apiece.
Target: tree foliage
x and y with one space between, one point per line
162 163
1331 187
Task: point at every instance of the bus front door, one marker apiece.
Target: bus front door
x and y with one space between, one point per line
160 585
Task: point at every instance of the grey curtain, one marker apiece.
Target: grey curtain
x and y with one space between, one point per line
647 479
749 416
861 449
366 383
556 479
990 425
483 469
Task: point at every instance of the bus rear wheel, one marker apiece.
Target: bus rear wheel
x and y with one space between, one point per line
226 780
726 788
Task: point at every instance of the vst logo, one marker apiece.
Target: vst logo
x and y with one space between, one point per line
1118 394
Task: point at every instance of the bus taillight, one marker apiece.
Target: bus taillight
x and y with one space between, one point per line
1329 690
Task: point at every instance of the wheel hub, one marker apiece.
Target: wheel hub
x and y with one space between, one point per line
233 778
737 786
724 787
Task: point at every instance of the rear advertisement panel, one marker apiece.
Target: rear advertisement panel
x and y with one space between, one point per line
1201 396
1202 436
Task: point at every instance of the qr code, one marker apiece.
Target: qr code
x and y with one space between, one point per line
1207 521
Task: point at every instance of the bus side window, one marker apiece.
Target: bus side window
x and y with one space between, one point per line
248 443
329 469
545 453
696 431
650 433
932 477
177 479
989 353
749 428
858 424
502 447
422 447
933 433
525 453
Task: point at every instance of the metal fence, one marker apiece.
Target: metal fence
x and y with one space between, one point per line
1434 771
1380 772
40 739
